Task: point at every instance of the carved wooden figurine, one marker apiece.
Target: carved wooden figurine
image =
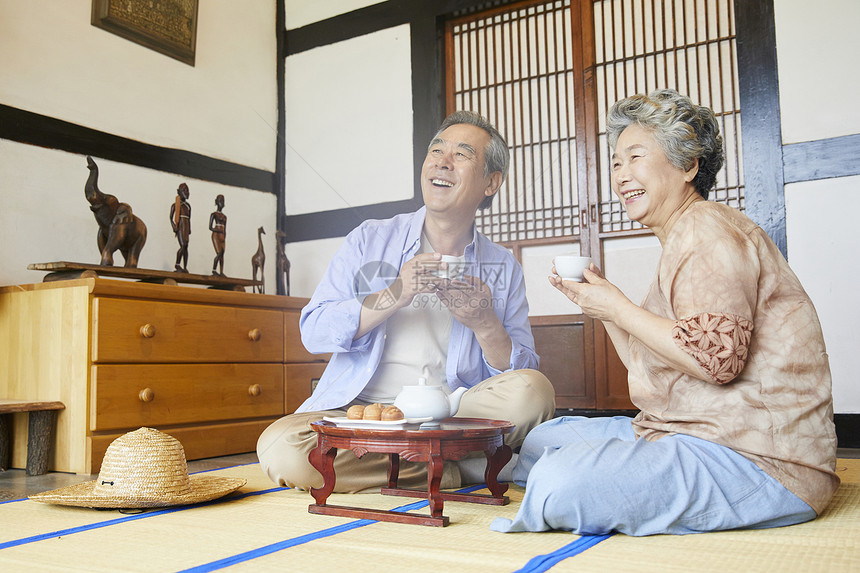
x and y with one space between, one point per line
218 226
283 269
258 262
119 228
180 220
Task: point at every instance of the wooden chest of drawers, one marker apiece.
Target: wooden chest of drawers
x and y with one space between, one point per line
212 368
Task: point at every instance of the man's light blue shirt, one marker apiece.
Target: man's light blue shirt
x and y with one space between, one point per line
368 261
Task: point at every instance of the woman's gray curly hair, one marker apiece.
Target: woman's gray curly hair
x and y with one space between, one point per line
685 131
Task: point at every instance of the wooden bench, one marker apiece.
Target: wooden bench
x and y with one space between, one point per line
40 437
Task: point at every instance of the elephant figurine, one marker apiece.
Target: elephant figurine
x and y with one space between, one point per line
119 228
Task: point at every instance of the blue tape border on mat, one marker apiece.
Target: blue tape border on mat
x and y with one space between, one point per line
287 543
541 563
100 524
537 564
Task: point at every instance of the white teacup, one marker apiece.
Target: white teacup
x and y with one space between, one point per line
456 267
570 267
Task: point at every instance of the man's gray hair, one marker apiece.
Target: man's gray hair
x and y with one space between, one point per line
496 155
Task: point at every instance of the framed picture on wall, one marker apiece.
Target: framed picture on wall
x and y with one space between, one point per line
166 26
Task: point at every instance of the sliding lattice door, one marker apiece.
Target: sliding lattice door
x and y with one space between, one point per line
515 67
686 45
545 73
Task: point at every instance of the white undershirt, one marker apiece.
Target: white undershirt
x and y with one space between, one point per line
416 345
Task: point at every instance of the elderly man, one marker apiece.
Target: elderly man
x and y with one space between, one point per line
389 312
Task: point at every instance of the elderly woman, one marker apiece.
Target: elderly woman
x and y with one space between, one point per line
725 356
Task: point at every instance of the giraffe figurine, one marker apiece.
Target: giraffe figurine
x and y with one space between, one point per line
258 262
283 272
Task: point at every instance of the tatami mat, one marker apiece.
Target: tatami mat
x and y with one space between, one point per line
264 528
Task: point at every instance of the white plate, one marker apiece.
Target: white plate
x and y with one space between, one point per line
376 424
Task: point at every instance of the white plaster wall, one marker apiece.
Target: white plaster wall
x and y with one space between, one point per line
631 264
822 232
543 298
303 12
312 258
55 63
817 47
349 130
45 217
818 90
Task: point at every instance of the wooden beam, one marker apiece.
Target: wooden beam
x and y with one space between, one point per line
760 120
822 159
35 129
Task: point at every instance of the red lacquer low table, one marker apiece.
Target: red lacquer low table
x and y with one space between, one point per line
454 439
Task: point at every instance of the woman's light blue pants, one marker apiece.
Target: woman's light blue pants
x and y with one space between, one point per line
592 476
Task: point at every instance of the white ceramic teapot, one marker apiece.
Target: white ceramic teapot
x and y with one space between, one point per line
423 401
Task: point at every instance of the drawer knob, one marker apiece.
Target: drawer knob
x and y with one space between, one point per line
146 395
254 334
147 331
254 390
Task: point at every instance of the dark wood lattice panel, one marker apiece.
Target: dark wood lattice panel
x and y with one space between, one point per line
687 45
515 67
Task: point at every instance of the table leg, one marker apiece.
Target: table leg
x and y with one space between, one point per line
5 441
393 470
322 458
418 448
495 462
434 479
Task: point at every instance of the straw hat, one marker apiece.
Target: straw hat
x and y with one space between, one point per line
141 469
